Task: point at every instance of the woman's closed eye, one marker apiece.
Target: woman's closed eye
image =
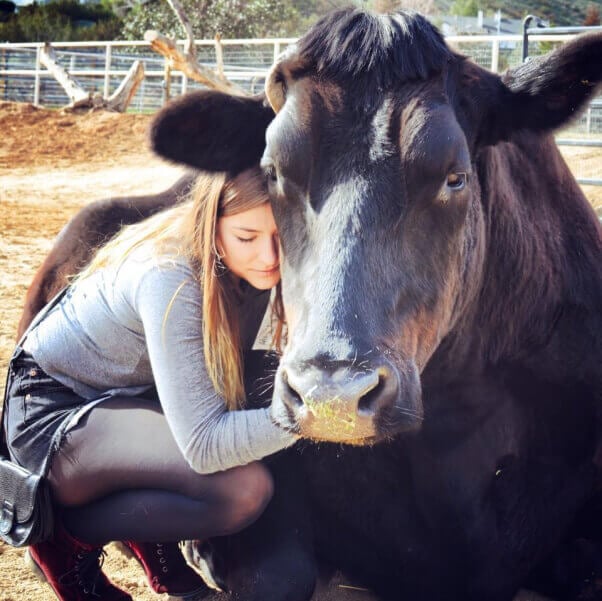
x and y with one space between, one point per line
245 239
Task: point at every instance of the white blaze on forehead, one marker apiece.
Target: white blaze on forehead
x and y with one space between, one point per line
381 144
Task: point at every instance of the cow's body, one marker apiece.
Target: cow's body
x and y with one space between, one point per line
442 277
90 228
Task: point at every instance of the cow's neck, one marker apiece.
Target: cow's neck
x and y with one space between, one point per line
540 286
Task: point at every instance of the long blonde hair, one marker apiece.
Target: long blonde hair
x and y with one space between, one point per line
189 229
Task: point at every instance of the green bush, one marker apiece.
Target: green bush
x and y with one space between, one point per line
60 21
465 8
230 18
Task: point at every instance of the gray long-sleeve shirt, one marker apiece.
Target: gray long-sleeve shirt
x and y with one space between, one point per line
123 329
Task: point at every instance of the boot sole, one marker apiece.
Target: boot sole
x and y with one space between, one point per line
30 562
191 596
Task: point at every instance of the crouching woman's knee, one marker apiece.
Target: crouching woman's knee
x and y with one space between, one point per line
248 494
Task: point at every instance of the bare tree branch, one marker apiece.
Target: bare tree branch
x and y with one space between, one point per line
189 48
74 91
187 62
219 57
192 69
79 98
120 99
167 79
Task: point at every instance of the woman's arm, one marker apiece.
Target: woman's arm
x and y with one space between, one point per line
168 301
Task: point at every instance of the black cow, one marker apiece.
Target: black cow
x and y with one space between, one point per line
442 277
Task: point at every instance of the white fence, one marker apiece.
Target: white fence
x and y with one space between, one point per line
102 65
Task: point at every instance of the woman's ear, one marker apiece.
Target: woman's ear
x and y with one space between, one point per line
212 131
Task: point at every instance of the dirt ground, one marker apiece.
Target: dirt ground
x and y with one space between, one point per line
50 165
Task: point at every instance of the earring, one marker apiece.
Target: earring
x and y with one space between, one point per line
220 266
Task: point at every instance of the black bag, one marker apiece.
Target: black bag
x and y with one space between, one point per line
26 512
26 515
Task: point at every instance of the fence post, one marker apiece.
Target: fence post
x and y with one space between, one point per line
142 95
166 81
276 51
36 81
184 86
107 86
495 55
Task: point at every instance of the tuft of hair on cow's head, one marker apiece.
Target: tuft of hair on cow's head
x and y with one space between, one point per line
212 131
353 46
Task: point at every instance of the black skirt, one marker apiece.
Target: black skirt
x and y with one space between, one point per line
38 412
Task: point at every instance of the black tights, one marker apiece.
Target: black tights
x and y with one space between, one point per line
119 475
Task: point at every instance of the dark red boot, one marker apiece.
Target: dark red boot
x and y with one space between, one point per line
167 571
73 569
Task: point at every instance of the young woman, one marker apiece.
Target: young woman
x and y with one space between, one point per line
128 394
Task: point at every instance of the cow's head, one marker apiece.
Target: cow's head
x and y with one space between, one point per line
371 164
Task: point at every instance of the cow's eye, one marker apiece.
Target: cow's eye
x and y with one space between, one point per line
457 181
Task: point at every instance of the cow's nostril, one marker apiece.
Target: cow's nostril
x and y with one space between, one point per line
290 396
368 402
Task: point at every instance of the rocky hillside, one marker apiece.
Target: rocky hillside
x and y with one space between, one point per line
558 12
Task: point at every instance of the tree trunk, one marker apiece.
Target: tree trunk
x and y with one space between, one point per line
123 95
79 98
74 91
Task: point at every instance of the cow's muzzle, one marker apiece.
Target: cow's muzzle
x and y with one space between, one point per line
348 402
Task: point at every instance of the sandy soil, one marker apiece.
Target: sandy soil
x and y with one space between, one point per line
50 165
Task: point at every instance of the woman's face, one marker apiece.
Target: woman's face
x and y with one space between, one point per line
248 244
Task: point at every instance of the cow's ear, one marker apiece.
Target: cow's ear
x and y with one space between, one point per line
546 92
212 131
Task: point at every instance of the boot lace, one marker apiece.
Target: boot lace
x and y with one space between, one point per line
87 571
